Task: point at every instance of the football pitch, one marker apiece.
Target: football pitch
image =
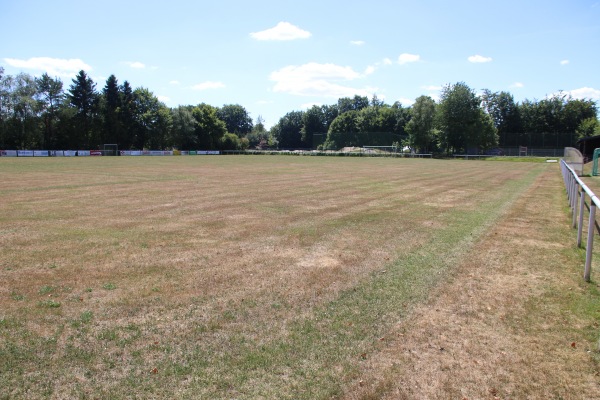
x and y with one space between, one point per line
235 276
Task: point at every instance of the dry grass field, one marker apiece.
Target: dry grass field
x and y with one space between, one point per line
244 277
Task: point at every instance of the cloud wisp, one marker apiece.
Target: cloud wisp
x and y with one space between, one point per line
478 59
209 85
314 79
135 64
374 67
65 68
281 32
406 58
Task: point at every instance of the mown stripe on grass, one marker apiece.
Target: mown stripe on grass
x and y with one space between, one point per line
308 362
311 356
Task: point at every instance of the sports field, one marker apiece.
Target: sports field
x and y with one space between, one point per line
246 277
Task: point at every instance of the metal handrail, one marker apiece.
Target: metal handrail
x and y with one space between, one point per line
576 190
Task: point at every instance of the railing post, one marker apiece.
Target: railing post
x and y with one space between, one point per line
575 198
576 190
573 191
571 185
590 241
581 210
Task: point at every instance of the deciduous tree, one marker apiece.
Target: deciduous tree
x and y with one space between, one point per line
505 115
153 121
421 127
459 112
343 131
209 128
49 95
313 122
23 128
588 127
184 128
356 103
260 138
236 118
288 131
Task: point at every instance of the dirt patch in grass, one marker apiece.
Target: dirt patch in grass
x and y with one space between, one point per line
508 324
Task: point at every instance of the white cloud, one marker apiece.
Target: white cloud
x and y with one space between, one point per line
517 85
357 42
406 101
564 62
370 69
314 71
282 31
52 66
374 67
315 79
208 85
175 82
164 99
406 58
135 64
479 59
585 93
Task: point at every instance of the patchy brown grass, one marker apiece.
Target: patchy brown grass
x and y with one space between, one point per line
265 277
509 324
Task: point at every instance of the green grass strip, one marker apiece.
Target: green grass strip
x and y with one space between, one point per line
313 356
308 362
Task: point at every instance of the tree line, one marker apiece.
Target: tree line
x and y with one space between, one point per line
38 113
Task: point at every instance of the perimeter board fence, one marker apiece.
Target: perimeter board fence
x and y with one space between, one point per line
105 152
365 151
358 152
581 199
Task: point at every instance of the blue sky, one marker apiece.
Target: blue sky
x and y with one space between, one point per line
273 57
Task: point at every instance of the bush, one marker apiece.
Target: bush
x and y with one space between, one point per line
230 141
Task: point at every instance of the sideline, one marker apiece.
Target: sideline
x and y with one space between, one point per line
502 326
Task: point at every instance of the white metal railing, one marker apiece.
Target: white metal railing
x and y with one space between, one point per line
576 192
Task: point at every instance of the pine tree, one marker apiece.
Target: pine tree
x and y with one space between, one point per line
110 110
84 98
127 117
